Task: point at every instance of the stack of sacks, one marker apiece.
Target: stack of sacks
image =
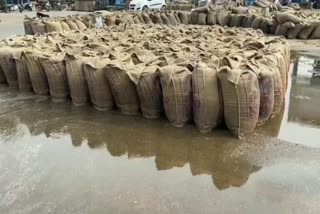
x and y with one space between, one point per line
156 70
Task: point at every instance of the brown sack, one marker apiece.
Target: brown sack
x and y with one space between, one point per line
123 89
80 25
55 69
256 24
286 17
207 104
176 16
23 75
53 26
156 19
203 9
37 74
283 29
244 21
27 26
171 18
165 19
250 21
294 32
194 18
238 20
202 18
76 79
65 26
8 66
241 98
211 18
110 21
146 19
316 33
38 27
72 25
306 32
2 76
177 94
99 88
183 17
274 26
147 81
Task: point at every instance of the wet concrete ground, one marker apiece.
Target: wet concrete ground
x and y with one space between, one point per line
59 158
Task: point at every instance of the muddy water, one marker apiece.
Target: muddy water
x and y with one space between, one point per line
58 158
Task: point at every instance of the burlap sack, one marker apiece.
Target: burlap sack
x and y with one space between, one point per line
171 18
194 17
306 32
146 19
294 32
232 20
38 27
23 74
183 17
137 20
27 26
274 26
65 26
72 25
203 9
211 18
283 29
207 102
202 19
99 88
8 66
176 16
110 20
241 98
286 17
177 94
77 81
147 81
37 75
2 77
250 21
156 19
266 86
238 20
256 24
316 33
265 25
165 19
55 69
80 24
53 26
123 89
272 63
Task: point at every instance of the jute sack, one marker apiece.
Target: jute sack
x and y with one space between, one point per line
238 20
2 76
146 19
266 86
53 26
306 32
265 25
77 81
110 20
65 26
294 32
37 75
72 25
194 17
176 16
211 18
156 19
123 89
55 69
256 23
27 26
8 66
183 17
283 29
272 63
316 33
80 24
38 27
137 20
241 97
244 21
22 73
286 17
177 94
250 21
147 81
165 19
99 88
232 20
274 26
202 19
207 104
171 18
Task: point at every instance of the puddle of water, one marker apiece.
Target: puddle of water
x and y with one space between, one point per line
58 158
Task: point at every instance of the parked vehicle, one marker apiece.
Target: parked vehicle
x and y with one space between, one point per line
141 5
